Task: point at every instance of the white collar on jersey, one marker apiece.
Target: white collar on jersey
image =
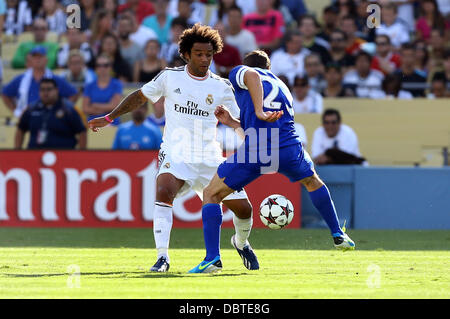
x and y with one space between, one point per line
196 77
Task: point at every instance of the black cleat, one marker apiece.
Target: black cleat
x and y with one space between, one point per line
247 254
161 265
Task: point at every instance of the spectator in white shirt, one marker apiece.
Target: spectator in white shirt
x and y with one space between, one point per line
306 100
140 34
365 82
18 17
54 15
241 39
75 41
191 11
397 31
315 71
289 61
405 10
334 142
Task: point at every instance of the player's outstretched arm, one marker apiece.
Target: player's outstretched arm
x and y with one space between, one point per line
255 88
224 116
131 102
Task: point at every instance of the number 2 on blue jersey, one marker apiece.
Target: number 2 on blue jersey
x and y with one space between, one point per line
276 85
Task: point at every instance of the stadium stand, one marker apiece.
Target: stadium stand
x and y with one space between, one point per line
390 131
393 132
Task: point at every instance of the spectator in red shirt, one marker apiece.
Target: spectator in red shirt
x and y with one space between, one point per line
266 24
140 8
229 57
385 60
348 25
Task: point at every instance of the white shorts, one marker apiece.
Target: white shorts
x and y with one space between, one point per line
196 175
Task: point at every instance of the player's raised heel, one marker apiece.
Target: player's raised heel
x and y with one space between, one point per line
247 254
205 267
343 242
161 265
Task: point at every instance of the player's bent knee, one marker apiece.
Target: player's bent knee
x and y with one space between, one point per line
210 195
165 194
245 212
312 183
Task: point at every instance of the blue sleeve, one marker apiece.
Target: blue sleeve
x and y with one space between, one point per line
65 88
118 87
116 143
232 76
12 88
88 90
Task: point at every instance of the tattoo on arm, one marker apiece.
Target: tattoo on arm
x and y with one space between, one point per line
133 100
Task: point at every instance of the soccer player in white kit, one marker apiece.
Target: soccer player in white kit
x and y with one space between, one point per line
189 154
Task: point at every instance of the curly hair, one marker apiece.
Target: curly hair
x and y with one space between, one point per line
199 33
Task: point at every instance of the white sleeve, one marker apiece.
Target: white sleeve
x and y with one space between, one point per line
300 130
275 62
230 102
349 142
155 89
355 145
240 77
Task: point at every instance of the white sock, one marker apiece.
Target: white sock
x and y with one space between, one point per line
242 228
162 225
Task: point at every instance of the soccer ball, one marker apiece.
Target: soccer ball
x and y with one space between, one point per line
276 211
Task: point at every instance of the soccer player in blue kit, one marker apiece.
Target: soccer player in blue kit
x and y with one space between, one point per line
271 145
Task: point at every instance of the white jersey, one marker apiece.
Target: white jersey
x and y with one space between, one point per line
191 126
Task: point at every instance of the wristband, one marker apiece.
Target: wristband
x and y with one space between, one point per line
108 119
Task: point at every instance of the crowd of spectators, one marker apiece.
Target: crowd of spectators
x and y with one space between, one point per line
342 51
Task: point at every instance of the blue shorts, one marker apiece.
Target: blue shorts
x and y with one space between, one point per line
293 162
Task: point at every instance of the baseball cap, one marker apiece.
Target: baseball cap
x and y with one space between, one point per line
39 49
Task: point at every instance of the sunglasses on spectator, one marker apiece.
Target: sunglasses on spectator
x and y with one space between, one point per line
330 122
381 43
336 39
103 65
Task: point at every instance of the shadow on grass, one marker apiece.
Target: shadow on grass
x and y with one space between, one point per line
261 238
129 275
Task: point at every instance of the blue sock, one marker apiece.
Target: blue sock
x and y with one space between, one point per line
212 220
321 199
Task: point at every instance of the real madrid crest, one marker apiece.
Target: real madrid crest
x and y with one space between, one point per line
209 99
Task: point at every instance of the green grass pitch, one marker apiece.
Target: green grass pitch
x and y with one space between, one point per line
114 263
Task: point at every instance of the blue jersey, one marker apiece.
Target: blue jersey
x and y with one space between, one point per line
277 97
130 136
